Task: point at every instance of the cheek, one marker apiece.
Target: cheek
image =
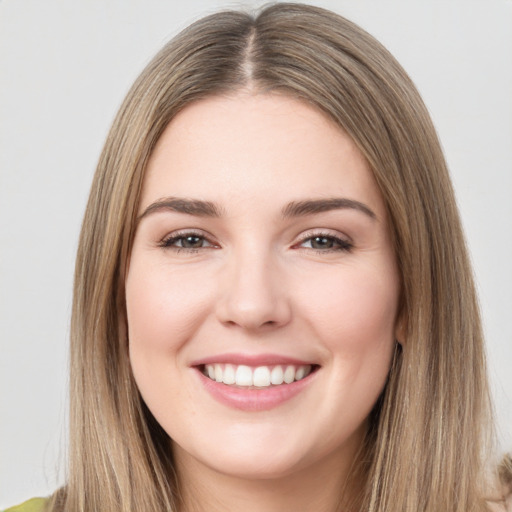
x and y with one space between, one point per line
163 307
353 313
353 310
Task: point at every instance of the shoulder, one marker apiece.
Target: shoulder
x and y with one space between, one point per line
33 505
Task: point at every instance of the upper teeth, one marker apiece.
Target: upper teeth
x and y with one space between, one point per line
261 376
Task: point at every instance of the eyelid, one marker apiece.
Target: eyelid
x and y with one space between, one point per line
345 243
183 233
331 233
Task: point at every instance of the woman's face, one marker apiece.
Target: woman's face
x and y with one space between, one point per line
262 288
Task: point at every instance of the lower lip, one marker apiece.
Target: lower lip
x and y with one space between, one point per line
254 399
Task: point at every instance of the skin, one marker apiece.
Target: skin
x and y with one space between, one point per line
260 282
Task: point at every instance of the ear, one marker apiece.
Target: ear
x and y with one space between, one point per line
401 329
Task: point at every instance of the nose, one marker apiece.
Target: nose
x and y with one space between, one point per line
252 292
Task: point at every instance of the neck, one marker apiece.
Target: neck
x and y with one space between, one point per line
327 486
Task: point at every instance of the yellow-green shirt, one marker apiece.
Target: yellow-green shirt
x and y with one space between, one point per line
33 505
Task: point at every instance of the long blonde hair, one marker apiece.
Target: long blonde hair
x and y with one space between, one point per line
426 441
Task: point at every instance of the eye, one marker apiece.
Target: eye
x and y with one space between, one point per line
325 243
189 241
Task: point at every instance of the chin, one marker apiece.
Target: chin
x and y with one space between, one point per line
274 456
273 467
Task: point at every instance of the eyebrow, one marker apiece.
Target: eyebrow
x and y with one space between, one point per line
183 205
310 207
201 208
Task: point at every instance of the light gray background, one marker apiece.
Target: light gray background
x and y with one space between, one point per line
64 69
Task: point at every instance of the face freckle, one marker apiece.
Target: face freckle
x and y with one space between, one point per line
263 244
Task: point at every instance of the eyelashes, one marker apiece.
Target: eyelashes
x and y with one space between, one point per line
325 243
194 241
191 241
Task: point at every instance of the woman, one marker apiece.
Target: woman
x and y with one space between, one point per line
273 303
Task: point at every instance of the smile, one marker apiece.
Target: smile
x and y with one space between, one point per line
256 377
257 383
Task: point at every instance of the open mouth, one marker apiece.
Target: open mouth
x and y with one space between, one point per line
257 377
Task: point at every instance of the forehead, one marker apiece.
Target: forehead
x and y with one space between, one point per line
248 146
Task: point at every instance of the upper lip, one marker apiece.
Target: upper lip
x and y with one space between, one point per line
251 360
